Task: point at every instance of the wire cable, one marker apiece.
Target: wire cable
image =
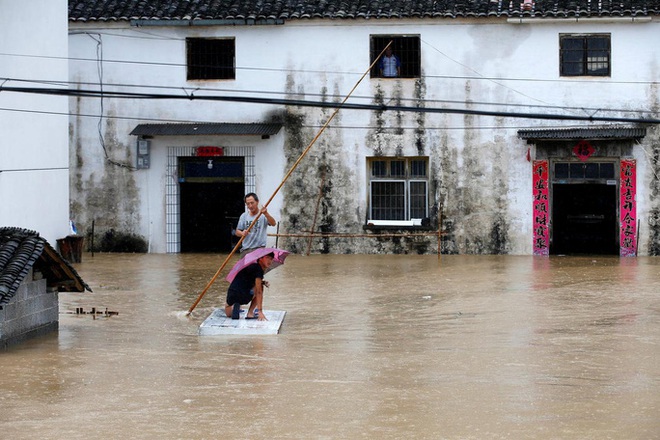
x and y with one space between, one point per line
322 104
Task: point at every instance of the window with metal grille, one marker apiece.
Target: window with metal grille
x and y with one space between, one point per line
398 188
406 49
210 58
585 55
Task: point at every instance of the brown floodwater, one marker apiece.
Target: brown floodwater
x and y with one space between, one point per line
372 347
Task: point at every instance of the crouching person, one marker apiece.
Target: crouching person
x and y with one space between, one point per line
248 288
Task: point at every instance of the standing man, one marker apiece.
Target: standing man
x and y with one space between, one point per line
390 66
257 236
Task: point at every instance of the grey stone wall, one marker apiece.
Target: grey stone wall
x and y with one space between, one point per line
34 310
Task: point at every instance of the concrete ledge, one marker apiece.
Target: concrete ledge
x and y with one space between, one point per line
218 324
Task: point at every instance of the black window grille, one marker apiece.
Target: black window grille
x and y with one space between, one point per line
210 58
388 200
407 50
398 188
585 55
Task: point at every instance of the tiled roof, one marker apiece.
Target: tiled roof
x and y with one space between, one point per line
614 132
264 10
236 129
22 249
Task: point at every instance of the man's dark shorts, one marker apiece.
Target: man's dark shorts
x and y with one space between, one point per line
234 296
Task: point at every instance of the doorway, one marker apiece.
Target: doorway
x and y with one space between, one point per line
211 191
584 219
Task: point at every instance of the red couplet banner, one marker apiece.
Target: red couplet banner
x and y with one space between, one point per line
541 207
628 208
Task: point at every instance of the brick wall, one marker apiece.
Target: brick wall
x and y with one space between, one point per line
32 311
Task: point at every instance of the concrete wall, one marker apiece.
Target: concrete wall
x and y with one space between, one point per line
34 160
34 310
480 178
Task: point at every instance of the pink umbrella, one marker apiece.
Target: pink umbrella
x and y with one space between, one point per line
253 256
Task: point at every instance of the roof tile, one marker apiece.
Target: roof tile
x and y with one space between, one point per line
22 249
125 10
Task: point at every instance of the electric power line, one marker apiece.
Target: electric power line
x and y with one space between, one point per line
321 104
325 96
316 72
315 126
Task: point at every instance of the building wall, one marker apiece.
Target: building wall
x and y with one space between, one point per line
33 310
480 182
34 160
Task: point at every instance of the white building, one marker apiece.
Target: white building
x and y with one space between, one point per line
509 91
34 142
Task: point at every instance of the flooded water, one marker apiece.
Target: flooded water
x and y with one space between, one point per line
372 347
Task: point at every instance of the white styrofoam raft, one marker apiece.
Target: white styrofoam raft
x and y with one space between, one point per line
219 324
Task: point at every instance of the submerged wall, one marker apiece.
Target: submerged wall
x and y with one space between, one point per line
479 170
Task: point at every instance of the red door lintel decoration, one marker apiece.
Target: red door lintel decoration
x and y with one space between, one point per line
583 150
541 203
628 209
209 151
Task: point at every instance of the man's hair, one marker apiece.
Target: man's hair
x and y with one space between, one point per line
271 255
256 199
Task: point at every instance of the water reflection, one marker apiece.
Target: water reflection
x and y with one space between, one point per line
377 346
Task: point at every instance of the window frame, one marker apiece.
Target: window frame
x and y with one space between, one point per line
204 61
407 47
587 63
574 171
407 180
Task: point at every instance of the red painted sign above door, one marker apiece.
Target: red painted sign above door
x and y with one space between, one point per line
209 151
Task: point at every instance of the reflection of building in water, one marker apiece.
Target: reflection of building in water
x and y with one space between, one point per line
454 143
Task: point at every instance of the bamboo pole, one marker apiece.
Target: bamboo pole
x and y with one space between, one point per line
286 177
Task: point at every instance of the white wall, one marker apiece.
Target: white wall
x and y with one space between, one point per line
464 63
34 160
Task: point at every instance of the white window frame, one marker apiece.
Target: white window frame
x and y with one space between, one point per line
426 196
406 181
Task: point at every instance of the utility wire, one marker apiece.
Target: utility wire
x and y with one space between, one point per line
320 95
331 126
322 104
316 72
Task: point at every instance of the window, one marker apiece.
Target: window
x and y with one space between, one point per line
398 188
406 49
210 58
585 55
584 170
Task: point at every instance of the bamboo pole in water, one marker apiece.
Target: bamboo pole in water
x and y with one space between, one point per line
286 177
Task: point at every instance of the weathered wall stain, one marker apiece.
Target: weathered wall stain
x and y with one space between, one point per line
419 95
111 199
652 143
653 221
328 176
320 194
77 162
473 189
